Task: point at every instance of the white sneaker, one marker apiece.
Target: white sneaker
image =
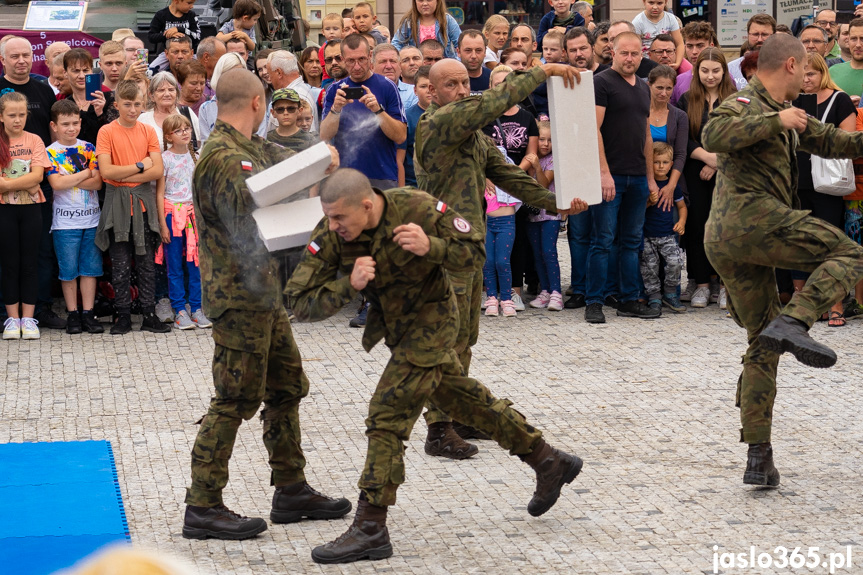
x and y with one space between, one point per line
491 309
723 298
516 300
29 330
164 312
12 328
686 293
700 297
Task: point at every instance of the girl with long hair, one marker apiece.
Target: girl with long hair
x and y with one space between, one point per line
428 19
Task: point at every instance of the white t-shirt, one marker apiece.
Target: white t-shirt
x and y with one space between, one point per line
490 56
179 174
74 209
649 30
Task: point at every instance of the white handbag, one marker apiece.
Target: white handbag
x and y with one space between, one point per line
832 176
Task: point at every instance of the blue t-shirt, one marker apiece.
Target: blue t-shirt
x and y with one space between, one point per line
361 143
480 84
413 116
659 223
659 133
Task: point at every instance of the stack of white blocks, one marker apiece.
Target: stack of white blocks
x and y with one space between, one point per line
289 225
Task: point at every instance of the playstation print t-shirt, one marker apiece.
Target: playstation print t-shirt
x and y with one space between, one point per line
74 209
25 151
513 133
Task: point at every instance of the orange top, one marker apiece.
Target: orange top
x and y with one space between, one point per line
126 146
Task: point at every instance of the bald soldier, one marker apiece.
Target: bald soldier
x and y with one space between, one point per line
755 226
395 247
453 158
255 357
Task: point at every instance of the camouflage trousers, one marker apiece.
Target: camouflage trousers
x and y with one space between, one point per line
402 391
746 265
255 360
656 250
468 294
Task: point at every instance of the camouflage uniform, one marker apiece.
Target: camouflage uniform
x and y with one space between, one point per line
755 226
255 357
414 310
452 159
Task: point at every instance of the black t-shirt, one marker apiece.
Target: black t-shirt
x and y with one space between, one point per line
624 127
479 84
842 108
645 67
517 131
163 20
40 98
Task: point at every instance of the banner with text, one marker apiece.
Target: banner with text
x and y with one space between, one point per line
41 40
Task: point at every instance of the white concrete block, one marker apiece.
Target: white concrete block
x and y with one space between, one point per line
290 176
574 141
290 225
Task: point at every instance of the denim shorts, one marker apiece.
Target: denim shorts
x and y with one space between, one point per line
77 254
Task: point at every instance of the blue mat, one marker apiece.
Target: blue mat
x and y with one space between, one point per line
60 502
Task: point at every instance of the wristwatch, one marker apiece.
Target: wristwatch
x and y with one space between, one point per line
140 166
380 111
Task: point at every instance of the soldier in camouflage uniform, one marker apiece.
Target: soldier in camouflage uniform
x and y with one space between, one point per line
452 160
394 247
755 226
255 358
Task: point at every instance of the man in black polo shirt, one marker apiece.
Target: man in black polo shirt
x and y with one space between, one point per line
16 55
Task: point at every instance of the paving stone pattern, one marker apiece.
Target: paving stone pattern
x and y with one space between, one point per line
649 406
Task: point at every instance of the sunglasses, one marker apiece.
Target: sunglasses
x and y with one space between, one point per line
283 109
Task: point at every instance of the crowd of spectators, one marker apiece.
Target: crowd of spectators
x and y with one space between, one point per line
92 178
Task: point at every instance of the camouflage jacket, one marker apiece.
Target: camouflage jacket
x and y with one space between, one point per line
757 162
452 157
412 302
237 271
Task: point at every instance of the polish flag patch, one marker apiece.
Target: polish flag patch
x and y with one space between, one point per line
441 207
314 248
744 100
247 166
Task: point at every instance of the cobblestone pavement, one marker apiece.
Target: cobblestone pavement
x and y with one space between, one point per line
649 405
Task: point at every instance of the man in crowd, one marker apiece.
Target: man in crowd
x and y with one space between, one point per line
471 52
842 41
410 60
621 26
849 75
579 50
586 11
333 62
238 45
826 19
284 72
754 228
758 29
57 78
432 51
55 72
16 55
178 50
696 37
453 158
385 58
209 51
131 45
815 39
602 48
626 171
523 37
664 52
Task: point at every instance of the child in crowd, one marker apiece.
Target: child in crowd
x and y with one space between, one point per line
659 238
654 20
177 222
364 21
305 119
543 228
561 18
23 162
74 176
286 110
552 48
428 20
331 28
129 159
496 32
176 19
499 238
242 26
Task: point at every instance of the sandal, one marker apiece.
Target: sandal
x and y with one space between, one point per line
836 319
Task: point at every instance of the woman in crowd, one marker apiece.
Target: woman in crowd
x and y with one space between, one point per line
164 94
264 73
97 112
711 84
667 123
310 67
428 19
192 77
842 114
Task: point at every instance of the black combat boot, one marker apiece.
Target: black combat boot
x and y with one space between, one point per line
443 441
152 323
759 466
123 325
554 469
366 538
219 522
298 501
73 322
467 432
90 323
786 333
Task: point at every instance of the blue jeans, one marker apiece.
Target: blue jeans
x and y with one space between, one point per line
496 272
622 217
578 231
175 258
543 240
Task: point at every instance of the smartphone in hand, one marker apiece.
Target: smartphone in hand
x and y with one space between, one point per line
143 55
92 83
354 93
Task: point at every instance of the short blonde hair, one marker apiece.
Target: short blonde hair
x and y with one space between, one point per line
499 69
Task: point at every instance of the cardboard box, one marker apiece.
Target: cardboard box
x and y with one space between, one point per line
290 176
288 225
574 141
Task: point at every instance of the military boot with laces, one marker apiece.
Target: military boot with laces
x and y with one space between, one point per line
759 466
554 469
219 522
443 441
366 538
299 501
